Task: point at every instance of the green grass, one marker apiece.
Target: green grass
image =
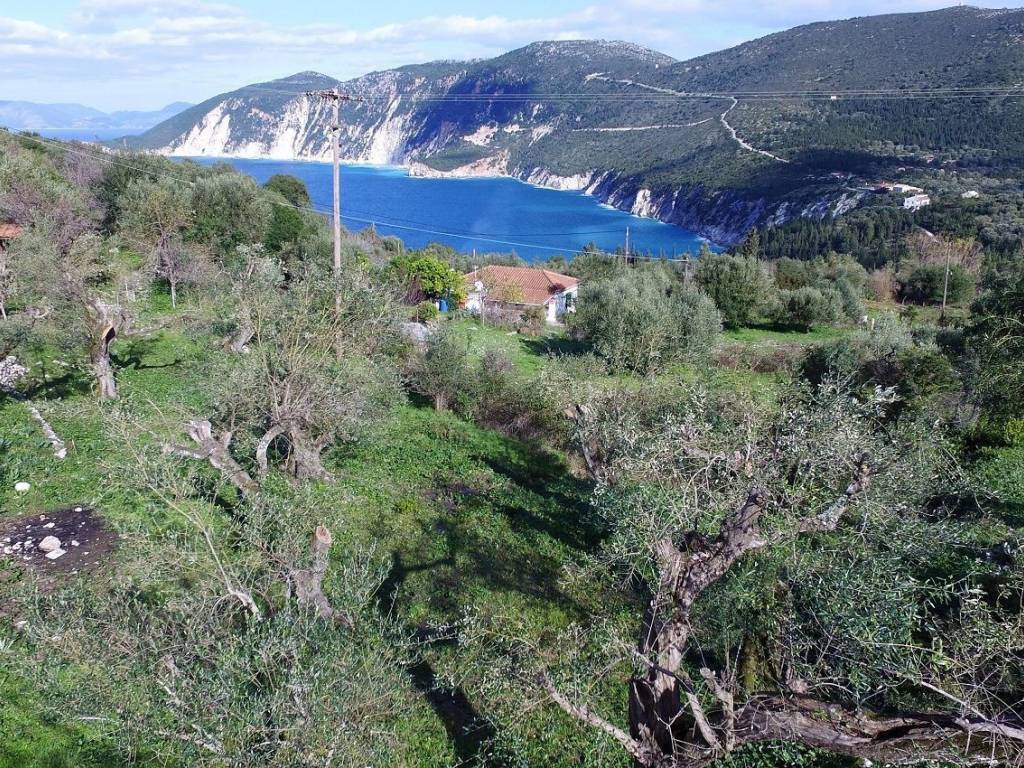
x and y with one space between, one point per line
467 517
527 353
761 336
30 739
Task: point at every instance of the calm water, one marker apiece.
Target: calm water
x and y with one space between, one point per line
86 134
488 215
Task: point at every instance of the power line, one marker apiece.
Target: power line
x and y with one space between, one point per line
667 95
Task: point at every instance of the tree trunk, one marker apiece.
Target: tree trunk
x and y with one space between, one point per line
242 336
174 293
304 461
656 716
263 446
105 321
440 402
216 451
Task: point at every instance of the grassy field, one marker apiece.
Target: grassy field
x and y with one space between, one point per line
465 516
759 336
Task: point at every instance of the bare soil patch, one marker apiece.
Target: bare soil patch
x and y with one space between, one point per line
83 541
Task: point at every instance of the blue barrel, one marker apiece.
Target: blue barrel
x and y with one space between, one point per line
443 305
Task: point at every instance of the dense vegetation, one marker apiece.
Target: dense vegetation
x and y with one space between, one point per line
327 527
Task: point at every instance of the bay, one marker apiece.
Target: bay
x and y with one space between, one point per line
484 214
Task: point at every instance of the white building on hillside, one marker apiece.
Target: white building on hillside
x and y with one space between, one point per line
916 202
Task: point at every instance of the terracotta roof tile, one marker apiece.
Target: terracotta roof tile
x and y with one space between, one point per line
520 285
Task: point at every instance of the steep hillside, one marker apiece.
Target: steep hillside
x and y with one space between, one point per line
664 138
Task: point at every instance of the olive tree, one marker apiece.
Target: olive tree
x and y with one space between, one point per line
740 286
229 210
996 338
441 372
314 376
642 321
799 579
154 218
70 298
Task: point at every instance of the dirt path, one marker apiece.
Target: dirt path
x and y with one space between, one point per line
723 118
736 137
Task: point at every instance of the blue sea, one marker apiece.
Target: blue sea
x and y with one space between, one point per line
488 215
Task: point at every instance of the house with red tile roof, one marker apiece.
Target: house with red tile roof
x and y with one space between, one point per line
520 288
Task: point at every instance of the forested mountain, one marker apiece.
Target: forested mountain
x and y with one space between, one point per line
608 118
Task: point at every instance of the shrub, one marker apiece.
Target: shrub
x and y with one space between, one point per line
640 322
442 373
806 308
426 312
291 188
915 372
925 285
430 277
229 211
533 321
740 286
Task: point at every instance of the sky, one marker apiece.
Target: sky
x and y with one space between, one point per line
144 54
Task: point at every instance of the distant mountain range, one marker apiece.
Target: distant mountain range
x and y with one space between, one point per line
29 116
759 133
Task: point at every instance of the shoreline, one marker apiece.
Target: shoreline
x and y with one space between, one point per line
409 170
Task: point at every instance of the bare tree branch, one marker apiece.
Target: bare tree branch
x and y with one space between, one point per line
591 718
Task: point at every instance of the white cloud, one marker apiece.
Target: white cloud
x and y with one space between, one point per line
194 48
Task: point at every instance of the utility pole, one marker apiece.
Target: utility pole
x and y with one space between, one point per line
336 97
945 284
627 245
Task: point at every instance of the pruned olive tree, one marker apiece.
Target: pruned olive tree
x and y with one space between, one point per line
57 277
805 575
314 376
69 297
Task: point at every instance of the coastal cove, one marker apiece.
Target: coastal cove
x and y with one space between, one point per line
483 214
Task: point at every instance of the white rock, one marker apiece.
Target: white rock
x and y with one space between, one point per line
22 487
49 544
55 554
49 525
74 543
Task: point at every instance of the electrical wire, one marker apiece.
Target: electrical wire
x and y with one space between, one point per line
657 93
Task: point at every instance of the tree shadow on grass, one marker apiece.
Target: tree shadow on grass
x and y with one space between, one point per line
132 354
71 383
566 514
559 346
468 732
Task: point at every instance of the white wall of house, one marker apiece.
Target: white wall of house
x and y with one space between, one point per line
562 303
473 302
555 308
